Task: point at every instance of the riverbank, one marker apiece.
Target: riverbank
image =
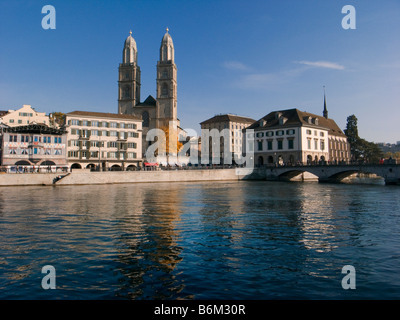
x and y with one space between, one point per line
84 177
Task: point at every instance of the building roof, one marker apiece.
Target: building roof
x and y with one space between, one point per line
150 101
295 117
104 115
40 128
228 117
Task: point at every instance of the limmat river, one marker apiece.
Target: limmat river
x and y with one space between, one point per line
208 240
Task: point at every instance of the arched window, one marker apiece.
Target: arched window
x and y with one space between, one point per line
145 118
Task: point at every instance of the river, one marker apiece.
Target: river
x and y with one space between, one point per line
205 240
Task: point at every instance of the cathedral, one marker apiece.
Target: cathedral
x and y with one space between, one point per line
155 112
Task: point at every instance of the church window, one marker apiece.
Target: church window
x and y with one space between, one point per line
145 118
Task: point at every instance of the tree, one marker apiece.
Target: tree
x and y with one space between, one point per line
361 149
57 119
351 132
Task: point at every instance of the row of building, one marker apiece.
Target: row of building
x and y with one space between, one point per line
117 141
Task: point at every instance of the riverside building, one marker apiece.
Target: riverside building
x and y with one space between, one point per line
33 145
293 137
232 142
104 141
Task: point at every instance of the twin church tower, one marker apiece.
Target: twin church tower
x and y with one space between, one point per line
155 113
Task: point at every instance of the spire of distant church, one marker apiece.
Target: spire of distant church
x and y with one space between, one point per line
325 113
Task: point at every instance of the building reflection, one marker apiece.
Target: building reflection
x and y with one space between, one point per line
148 248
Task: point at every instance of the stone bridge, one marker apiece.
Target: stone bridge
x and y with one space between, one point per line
335 173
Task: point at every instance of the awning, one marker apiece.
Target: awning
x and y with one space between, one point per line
151 164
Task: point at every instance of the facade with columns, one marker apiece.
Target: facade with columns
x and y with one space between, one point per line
155 112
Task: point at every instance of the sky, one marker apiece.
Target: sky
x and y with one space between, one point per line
247 58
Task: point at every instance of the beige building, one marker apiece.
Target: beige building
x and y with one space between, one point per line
23 116
104 141
229 129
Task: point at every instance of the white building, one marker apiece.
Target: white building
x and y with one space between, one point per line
228 135
105 141
292 136
23 116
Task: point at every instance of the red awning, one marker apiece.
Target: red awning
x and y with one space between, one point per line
150 164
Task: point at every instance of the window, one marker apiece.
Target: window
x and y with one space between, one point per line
309 144
94 154
290 144
132 145
74 122
270 134
290 131
13 138
112 144
112 155
19 121
322 145
113 133
132 155
269 144
308 132
280 144
35 150
260 146
113 125
260 134
47 151
321 134
280 133
13 151
95 132
316 144
133 135
95 123
84 123
131 126
57 152
11 120
24 151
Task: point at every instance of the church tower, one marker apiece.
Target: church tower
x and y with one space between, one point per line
166 83
128 78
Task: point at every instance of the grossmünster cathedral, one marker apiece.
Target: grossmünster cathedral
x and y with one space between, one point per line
155 112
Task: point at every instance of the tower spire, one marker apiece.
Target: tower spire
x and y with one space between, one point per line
325 113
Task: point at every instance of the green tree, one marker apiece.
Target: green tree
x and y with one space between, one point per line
361 149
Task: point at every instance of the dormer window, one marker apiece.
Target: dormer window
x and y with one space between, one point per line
282 120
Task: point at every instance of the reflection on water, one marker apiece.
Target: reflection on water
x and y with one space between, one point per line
219 240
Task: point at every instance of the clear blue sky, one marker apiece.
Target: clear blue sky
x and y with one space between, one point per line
243 57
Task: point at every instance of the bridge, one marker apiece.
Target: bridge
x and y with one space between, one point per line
335 173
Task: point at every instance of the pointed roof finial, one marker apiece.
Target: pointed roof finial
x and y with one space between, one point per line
167 29
130 32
